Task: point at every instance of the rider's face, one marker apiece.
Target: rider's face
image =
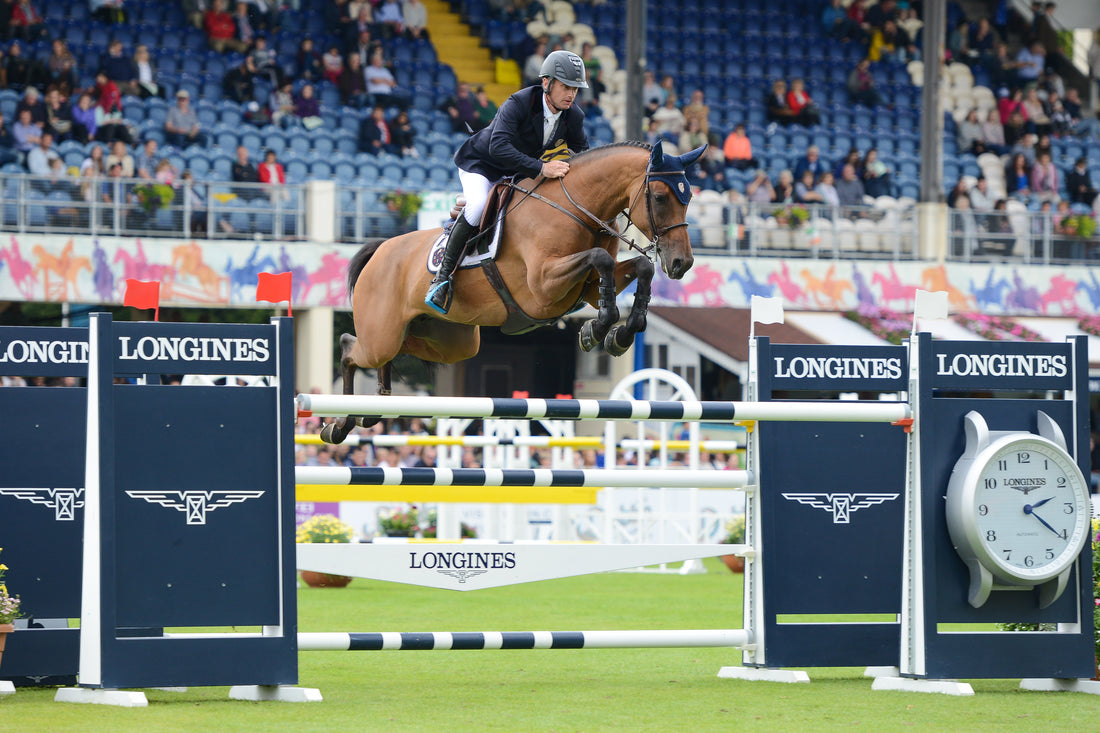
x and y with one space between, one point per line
559 95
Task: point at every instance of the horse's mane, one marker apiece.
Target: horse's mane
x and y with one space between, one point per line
601 151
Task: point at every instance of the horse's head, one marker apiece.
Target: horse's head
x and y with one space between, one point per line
667 195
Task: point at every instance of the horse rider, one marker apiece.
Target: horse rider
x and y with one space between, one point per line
529 123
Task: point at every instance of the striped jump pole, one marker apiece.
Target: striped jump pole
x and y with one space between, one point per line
601 477
509 408
532 441
486 640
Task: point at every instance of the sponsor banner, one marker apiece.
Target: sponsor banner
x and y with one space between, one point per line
180 348
45 352
839 368
476 565
970 366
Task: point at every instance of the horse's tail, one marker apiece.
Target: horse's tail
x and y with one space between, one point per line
359 261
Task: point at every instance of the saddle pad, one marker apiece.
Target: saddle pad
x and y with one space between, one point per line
486 248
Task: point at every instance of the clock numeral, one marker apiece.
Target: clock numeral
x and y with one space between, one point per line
1002 465
1049 554
990 536
1023 457
1028 561
1046 464
983 510
1061 481
991 483
1064 534
1068 508
1008 555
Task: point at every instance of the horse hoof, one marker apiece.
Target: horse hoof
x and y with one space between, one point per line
611 342
329 434
367 422
588 336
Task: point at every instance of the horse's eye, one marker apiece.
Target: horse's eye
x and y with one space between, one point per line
660 199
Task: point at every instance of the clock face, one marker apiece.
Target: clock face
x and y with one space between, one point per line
1030 508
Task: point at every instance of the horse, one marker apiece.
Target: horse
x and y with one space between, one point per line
557 251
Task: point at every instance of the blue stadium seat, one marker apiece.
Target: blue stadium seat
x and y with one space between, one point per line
297 171
320 170
323 144
298 141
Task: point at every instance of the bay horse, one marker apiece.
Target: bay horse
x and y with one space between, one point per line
557 252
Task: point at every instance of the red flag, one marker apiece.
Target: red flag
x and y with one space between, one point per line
274 289
143 295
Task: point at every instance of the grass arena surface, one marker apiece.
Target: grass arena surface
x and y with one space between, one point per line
555 690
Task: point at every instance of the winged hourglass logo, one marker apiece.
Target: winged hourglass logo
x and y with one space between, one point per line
840 505
64 502
195 504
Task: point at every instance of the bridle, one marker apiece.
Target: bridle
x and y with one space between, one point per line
607 227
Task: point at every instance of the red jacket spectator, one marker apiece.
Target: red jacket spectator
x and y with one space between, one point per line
107 94
219 24
270 171
25 14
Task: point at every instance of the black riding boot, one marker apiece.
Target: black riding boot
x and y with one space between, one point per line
441 290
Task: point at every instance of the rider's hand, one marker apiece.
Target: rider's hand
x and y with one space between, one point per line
555 168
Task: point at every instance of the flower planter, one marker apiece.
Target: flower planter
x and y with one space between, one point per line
735 563
324 580
5 629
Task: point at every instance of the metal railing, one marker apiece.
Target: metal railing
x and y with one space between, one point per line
1018 236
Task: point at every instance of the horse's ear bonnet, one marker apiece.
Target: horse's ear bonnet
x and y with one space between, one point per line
669 169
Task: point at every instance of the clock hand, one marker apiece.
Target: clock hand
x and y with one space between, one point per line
1029 509
1039 504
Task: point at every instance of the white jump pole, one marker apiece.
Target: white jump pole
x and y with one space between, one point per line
505 640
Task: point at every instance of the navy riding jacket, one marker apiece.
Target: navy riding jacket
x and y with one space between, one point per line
512 143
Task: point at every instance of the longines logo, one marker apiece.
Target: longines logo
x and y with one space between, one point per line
188 348
64 502
462 565
835 367
1001 365
195 504
840 506
19 351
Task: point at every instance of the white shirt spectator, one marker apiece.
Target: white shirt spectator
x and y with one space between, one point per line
39 160
379 79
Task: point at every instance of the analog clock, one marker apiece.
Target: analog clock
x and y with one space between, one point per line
1017 510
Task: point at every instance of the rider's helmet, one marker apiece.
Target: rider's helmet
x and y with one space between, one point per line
565 66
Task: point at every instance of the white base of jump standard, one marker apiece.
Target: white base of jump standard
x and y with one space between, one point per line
97 696
910 684
275 693
762 674
1046 684
6 688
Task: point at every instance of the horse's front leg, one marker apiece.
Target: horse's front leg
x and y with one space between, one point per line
550 283
607 313
337 430
621 337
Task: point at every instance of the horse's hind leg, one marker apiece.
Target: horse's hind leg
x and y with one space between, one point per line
337 430
621 337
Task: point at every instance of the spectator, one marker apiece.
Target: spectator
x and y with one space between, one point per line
120 70
38 160
416 20
120 155
737 149
485 109
242 24
1002 68
19 71
533 64
117 194
145 162
282 105
1036 112
804 191
776 102
861 85
146 74
593 72
891 43
307 109
366 47
981 41
108 112
698 109
1044 178
956 41
62 67
352 84
852 159
239 83
244 172
968 134
374 134
993 133
93 165
857 12
1072 105
1079 183
653 95
811 162
460 108
1015 129
1031 60
1026 145
802 105
271 173
827 188
109 12
784 188
333 63
265 14
26 22
759 190
1018 177
1060 120
7 144
264 61
195 11
849 189
166 172
910 23
836 23
692 137
84 120
194 199
27 134
380 82
875 175
709 171
32 100
221 31
59 116
669 119
403 135
882 12
980 198
181 126
310 66
388 17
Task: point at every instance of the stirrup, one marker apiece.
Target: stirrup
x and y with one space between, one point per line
445 292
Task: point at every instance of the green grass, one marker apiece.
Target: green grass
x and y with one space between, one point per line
542 690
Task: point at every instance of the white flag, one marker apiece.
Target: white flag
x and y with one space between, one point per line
930 305
766 310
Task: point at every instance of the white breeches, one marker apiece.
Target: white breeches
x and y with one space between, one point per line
475 188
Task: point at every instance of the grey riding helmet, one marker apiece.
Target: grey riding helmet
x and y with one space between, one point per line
565 66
